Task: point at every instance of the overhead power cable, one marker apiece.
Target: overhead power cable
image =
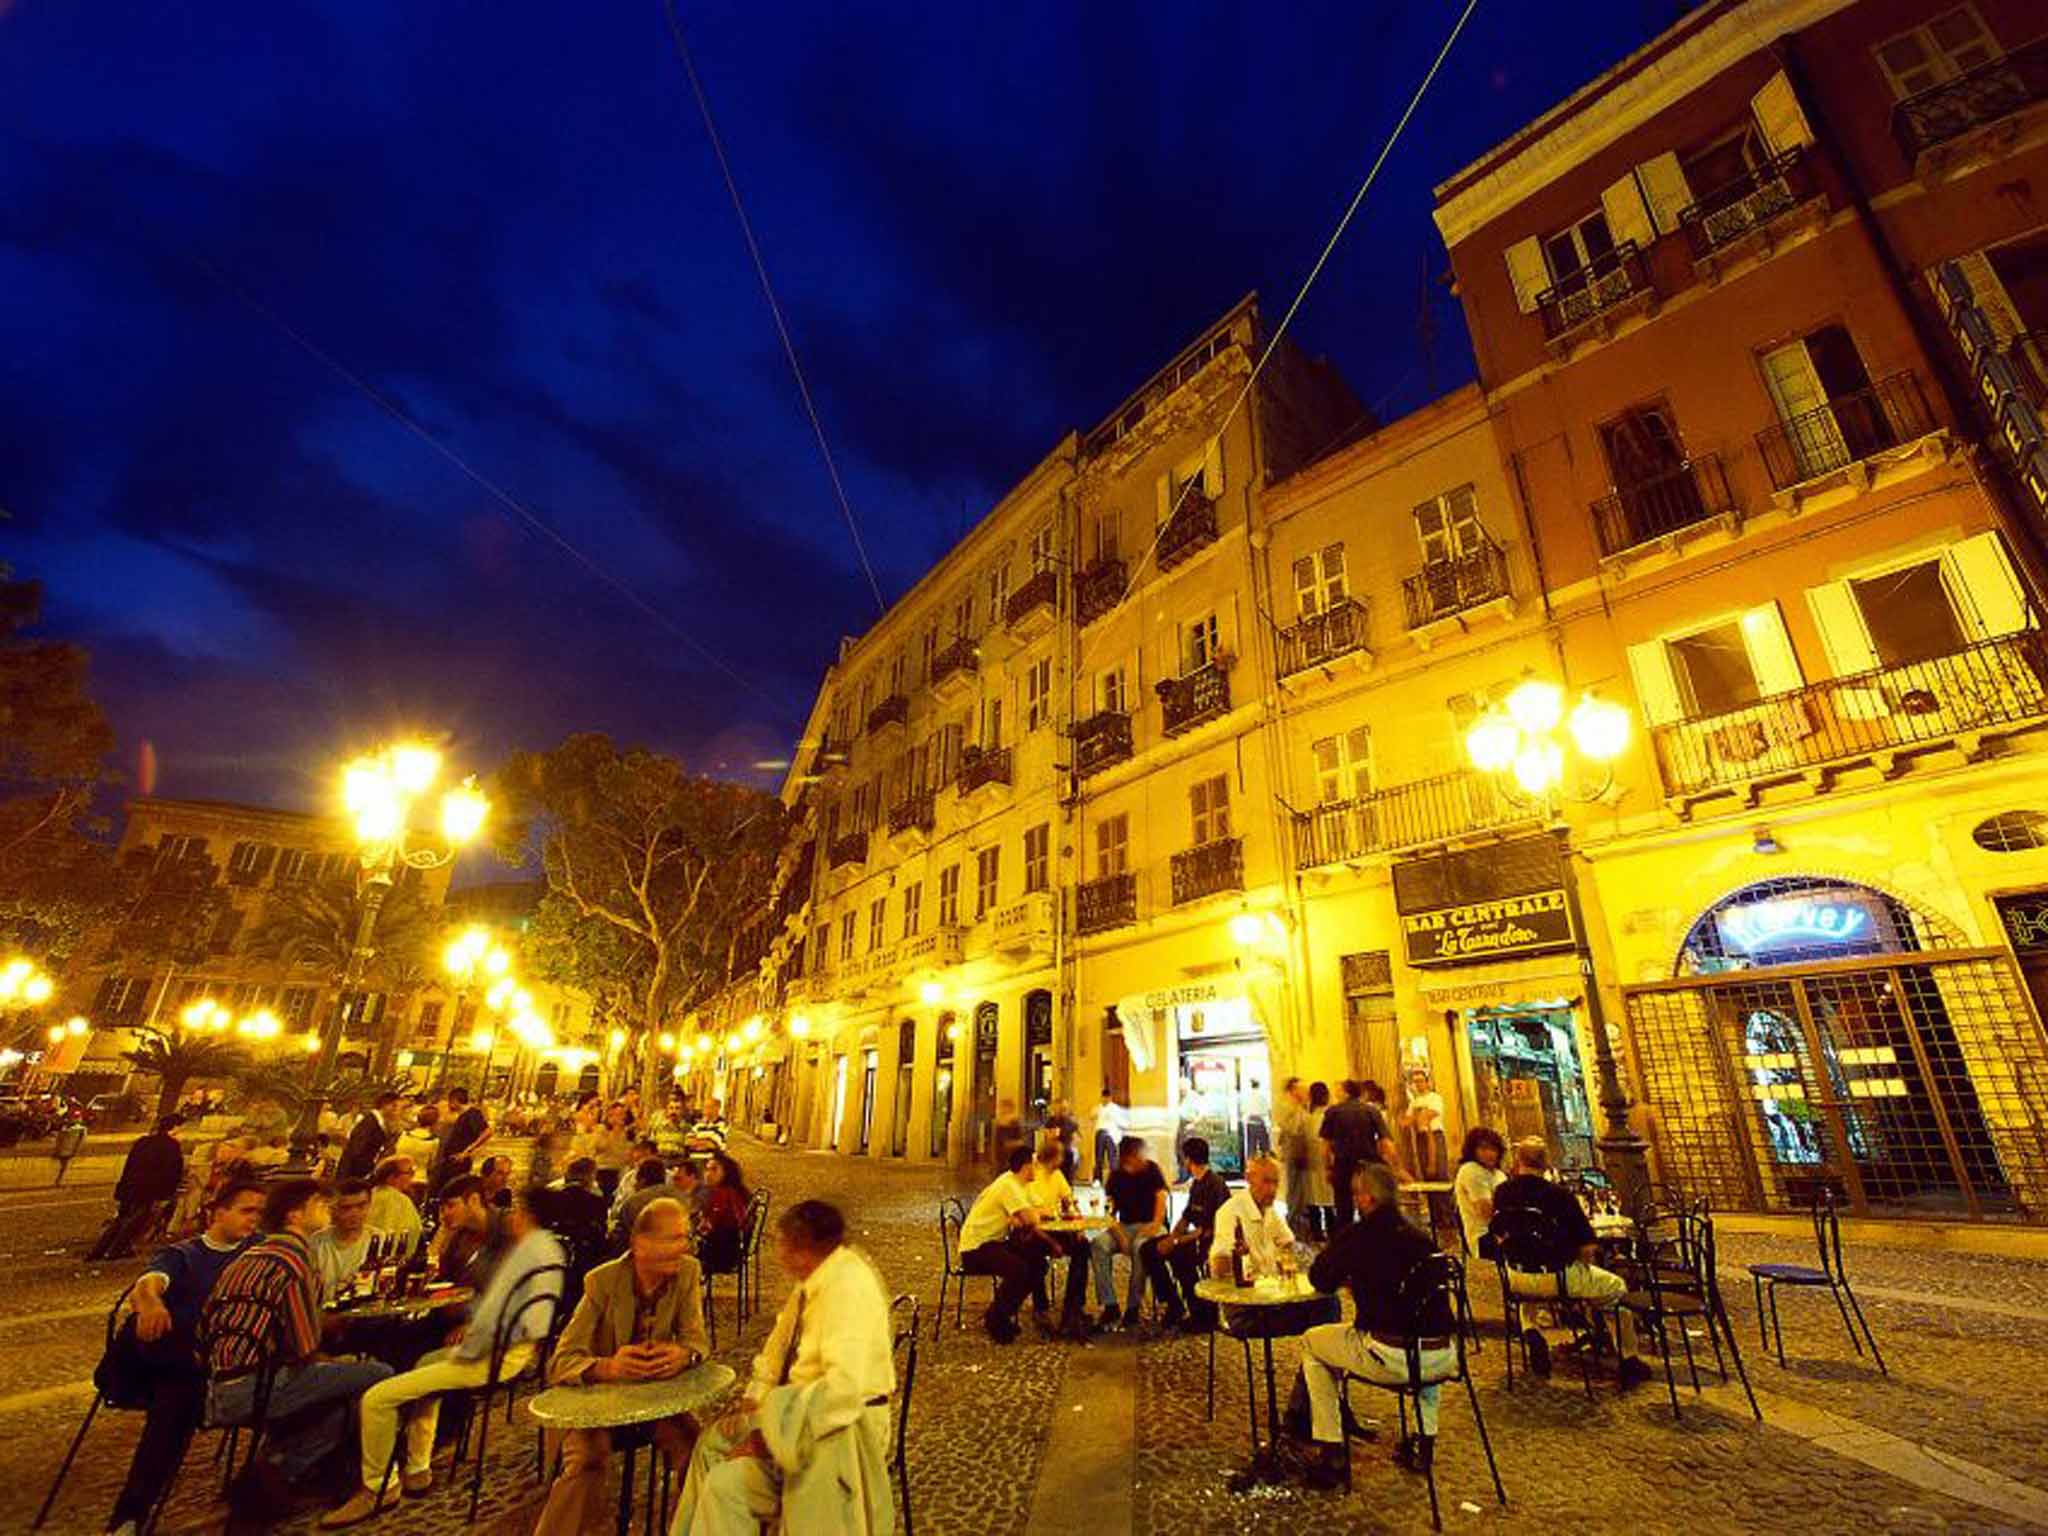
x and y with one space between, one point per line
739 208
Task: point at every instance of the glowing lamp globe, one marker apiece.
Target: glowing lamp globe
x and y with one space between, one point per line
1536 706
1538 767
799 1027
414 768
931 993
1492 743
1600 728
463 812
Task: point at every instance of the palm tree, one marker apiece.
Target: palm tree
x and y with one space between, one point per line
176 1058
314 925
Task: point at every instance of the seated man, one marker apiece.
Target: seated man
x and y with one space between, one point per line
496 1174
576 1213
465 1363
1526 1189
1175 1261
641 1319
1001 1238
271 1291
649 1183
808 1444
343 1246
1371 1255
392 1209
1254 1212
689 1187
158 1365
471 1238
1137 1198
1050 1195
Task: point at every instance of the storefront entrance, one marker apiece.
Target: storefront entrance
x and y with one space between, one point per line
1037 1055
1225 1083
1528 1079
982 1117
1910 1079
869 1064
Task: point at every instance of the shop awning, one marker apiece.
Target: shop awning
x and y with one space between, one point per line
1539 978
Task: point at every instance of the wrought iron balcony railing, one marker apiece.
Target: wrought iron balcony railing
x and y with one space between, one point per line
1207 869
1041 591
1321 638
1101 741
981 767
1191 528
1111 902
848 848
960 656
894 710
1433 810
1987 686
1987 93
1845 431
1607 282
1444 588
1649 508
1097 590
1728 214
1193 699
917 812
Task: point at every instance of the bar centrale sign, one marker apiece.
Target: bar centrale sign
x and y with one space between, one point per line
1487 930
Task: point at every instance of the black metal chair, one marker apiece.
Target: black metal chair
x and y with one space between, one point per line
115 1316
1679 1280
757 1230
904 1346
1433 1288
263 1340
1827 1238
746 1262
1527 1242
952 1217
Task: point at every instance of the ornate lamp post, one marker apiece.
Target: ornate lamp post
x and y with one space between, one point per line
473 955
1524 747
381 793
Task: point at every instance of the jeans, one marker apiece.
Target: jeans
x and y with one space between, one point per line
1075 1249
316 1398
1175 1275
1122 1237
1105 1155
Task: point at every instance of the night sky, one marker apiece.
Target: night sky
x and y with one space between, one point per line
987 225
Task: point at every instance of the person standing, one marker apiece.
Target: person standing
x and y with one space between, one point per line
1008 1135
373 1134
468 1129
1479 1175
807 1446
611 1148
1061 1123
1111 1126
1290 1136
149 1178
1357 1133
1425 1121
1315 1179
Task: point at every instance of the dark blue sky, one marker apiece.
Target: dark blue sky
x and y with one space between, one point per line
987 225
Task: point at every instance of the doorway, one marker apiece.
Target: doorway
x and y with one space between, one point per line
1038 1054
1225 1083
1529 1080
870 1065
838 1126
906 1074
981 1119
942 1085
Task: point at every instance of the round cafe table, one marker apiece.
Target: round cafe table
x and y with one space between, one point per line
618 1404
1270 1307
386 1307
1085 1226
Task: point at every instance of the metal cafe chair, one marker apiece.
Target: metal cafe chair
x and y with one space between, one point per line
904 1345
1827 1239
116 1314
752 1228
1526 1242
952 1217
1668 1294
1433 1286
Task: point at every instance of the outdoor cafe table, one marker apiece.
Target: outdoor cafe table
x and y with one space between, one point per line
1084 1226
1270 1307
619 1404
382 1308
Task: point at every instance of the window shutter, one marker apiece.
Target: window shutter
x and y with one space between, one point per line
1778 116
1665 190
1842 630
1771 656
1162 490
1986 588
1358 743
1527 272
1656 685
1212 466
1305 598
1990 296
1628 216
1333 572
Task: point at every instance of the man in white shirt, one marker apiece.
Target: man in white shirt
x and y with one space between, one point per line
808 1444
1000 1238
1110 1125
1255 1212
342 1248
392 1210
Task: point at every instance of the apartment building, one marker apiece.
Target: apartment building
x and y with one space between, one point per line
1722 302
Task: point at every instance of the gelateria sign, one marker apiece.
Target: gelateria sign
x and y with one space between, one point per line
1483 904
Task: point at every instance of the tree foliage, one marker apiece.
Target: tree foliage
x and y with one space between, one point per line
175 1058
652 869
314 925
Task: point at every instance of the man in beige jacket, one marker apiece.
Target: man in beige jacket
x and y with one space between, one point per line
641 1319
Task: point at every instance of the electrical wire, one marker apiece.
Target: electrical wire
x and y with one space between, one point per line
675 27
1357 199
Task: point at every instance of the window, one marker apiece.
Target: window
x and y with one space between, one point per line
2011 832
821 948
1042 556
1203 471
878 920
120 995
1729 664
295 865
1209 800
1344 766
248 862
429 1026
1112 695
1448 526
913 904
1573 251
867 702
991 724
1199 644
1108 535
928 645
896 674
1037 857
295 1006
949 896
1319 580
998 591
1038 693
1713 670
1817 385
1642 445
1113 846
175 849
1885 618
846 936
987 867
1952 44
963 614
1908 614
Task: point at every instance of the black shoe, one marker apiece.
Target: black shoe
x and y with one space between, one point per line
1416 1453
1001 1329
1538 1349
1110 1319
1327 1468
1173 1317
1633 1373
1195 1323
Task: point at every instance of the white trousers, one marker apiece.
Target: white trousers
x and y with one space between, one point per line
726 1495
1597 1287
436 1373
1334 1349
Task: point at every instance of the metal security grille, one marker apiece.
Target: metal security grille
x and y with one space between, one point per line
1705 951
1912 1085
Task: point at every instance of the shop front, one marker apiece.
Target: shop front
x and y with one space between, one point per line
1217 1066
981 1117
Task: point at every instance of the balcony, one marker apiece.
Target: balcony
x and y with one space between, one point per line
1750 214
1659 507
912 818
1335 634
1450 593
2012 385
1023 927
1845 432
848 848
1033 607
1943 118
955 670
893 713
1208 870
1434 810
1194 699
984 769
1960 699
1101 741
1596 298
941 947
1100 905
1097 590
1191 529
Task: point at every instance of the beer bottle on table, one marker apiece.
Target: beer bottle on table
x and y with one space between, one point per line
1240 1259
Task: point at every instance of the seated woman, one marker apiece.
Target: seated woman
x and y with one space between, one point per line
725 1215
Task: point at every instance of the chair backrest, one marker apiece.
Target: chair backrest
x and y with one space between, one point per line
951 1219
263 1334
1827 1231
1430 1301
905 1313
531 1290
115 1313
1526 1239
756 1222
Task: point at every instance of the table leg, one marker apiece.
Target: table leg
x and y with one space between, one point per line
1265 1465
625 1522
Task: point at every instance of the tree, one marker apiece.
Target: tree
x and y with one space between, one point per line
657 866
174 1057
314 924
168 912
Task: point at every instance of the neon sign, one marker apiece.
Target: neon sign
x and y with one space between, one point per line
1788 920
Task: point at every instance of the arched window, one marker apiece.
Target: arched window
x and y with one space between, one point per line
2011 832
906 1041
1800 919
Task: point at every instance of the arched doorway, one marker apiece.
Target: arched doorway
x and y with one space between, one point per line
546 1078
906 1080
942 1084
981 1118
587 1081
1823 1033
1037 1055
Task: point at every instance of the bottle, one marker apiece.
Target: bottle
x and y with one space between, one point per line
1240 1259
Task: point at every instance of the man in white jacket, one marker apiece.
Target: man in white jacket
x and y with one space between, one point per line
809 1441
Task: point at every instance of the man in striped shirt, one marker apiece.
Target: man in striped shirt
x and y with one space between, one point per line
267 1304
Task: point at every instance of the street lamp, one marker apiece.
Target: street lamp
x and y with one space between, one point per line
473 955
1525 746
382 792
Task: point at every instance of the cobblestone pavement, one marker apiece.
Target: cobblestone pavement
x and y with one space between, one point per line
1964 1380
